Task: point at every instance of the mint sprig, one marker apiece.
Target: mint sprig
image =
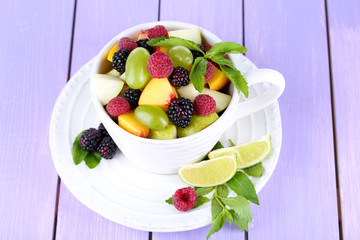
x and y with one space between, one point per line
216 54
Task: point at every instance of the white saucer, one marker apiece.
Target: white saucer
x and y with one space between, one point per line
123 193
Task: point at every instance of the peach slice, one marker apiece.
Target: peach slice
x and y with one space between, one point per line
163 49
218 80
158 92
143 34
111 53
130 124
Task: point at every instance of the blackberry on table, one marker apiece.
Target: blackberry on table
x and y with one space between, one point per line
107 148
196 53
143 43
179 77
103 130
132 96
180 112
119 59
90 139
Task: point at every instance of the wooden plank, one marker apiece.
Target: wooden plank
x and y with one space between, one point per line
225 20
344 27
97 23
299 201
34 58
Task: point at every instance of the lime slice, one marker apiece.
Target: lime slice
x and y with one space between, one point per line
209 173
248 154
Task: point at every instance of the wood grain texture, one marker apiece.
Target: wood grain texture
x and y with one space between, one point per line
299 201
34 48
224 20
98 22
344 26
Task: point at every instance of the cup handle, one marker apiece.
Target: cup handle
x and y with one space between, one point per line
277 87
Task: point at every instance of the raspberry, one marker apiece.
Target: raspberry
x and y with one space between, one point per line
127 43
180 112
157 31
107 148
196 53
90 139
185 199
119 59
209 72
143 43
103 130
132 96
159 65
118 106
179 77
204 105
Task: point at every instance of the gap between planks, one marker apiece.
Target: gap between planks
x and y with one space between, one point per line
68 77
333 122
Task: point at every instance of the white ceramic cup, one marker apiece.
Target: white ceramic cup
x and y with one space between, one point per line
167 156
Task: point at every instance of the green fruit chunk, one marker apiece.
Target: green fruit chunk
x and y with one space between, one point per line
180 56
136 73
167 133
197 124
152 117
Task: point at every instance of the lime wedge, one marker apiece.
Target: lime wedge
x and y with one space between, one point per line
248 154
209 173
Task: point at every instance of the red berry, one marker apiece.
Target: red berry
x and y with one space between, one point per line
127 43
204 105
118 106
209 72
157 31
159 65
185 199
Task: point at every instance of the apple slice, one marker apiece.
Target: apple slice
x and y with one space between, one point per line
168 133
106 87
222 100
158 92
114 73
197 124
192 34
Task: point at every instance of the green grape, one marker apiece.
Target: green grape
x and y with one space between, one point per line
151 116
180 56
136 74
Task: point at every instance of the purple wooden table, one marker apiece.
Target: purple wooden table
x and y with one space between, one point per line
315 190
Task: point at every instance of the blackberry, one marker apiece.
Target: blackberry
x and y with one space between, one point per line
132 96
119 59
143 43
180 112
107 148
103 130
196 53
90 139
179 77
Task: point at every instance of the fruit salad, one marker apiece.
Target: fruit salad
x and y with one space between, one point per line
163 85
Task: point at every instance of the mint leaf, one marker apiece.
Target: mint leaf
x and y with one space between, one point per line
218 145
198 72
223 61
217 224
93 159
240 205
222 48
241 223
200 201
169 201
222 191
232 144
79 154
173 41
242 186
255 170
201 191
236 78
216 208
229 216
